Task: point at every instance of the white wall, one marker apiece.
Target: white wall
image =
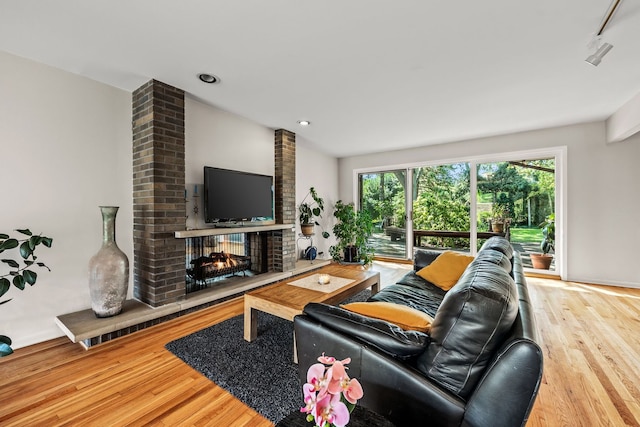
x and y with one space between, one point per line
214 137
65 144
318 170
602 202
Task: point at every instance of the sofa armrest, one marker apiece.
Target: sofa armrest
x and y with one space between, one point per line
505 395
385 336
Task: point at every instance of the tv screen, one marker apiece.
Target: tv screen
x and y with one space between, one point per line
231 195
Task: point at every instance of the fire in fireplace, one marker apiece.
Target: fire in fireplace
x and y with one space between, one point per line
218 264
210 259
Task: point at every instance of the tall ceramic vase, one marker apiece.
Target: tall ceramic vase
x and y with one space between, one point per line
108 270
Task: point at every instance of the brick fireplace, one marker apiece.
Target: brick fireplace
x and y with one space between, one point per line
159 265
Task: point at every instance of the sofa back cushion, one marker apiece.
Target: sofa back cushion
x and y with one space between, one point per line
500 244
494 257
473 320
424 257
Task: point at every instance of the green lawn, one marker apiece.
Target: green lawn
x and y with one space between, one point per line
526 234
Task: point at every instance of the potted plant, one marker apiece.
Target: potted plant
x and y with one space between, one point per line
20 275
543 261
352 232
309 211
499 216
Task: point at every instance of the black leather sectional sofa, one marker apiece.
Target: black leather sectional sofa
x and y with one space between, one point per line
480 365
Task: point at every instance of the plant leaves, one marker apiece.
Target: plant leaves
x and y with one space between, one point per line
9 244
5 339
5 284
41 264
18 282
30 276
25 231
5 301
4 236
47 241
11 263
34 241
25 250
325 234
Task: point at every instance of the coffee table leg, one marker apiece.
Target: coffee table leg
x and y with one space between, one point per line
295 349
250 323
375 288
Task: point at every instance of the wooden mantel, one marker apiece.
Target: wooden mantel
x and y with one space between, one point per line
185 234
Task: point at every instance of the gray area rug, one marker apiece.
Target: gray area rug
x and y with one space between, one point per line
260 373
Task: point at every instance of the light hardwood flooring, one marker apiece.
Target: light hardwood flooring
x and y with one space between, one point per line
591 344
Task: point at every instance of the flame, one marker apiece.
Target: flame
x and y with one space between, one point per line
223 260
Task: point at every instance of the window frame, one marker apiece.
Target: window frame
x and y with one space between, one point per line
559 153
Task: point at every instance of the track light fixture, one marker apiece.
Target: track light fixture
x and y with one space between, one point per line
600 50
596 57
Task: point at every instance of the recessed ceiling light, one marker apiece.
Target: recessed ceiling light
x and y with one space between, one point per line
304 122
208 78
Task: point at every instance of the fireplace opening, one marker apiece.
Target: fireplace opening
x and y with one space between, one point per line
218 264
212 260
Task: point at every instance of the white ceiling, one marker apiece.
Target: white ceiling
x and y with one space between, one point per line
371 75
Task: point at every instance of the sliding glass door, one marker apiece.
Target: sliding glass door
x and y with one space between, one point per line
382 194
432 206
518 198
441 207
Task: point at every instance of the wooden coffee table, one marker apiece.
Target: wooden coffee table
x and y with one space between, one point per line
286 300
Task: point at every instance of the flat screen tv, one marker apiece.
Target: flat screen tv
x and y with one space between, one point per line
232 196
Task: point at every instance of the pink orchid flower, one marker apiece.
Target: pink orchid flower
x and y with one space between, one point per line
315 374
352 390
327 383
328 360
309 398
335 375
317 377
331 410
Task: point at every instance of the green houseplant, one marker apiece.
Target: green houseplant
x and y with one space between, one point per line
499 216
309 211
352 232
548 243
20 274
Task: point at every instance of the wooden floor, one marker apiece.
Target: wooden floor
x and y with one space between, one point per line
591 348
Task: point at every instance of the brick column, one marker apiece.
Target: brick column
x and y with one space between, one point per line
284 241
158 193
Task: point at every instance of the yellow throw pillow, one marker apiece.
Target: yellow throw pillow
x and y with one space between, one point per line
446 269
407 318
